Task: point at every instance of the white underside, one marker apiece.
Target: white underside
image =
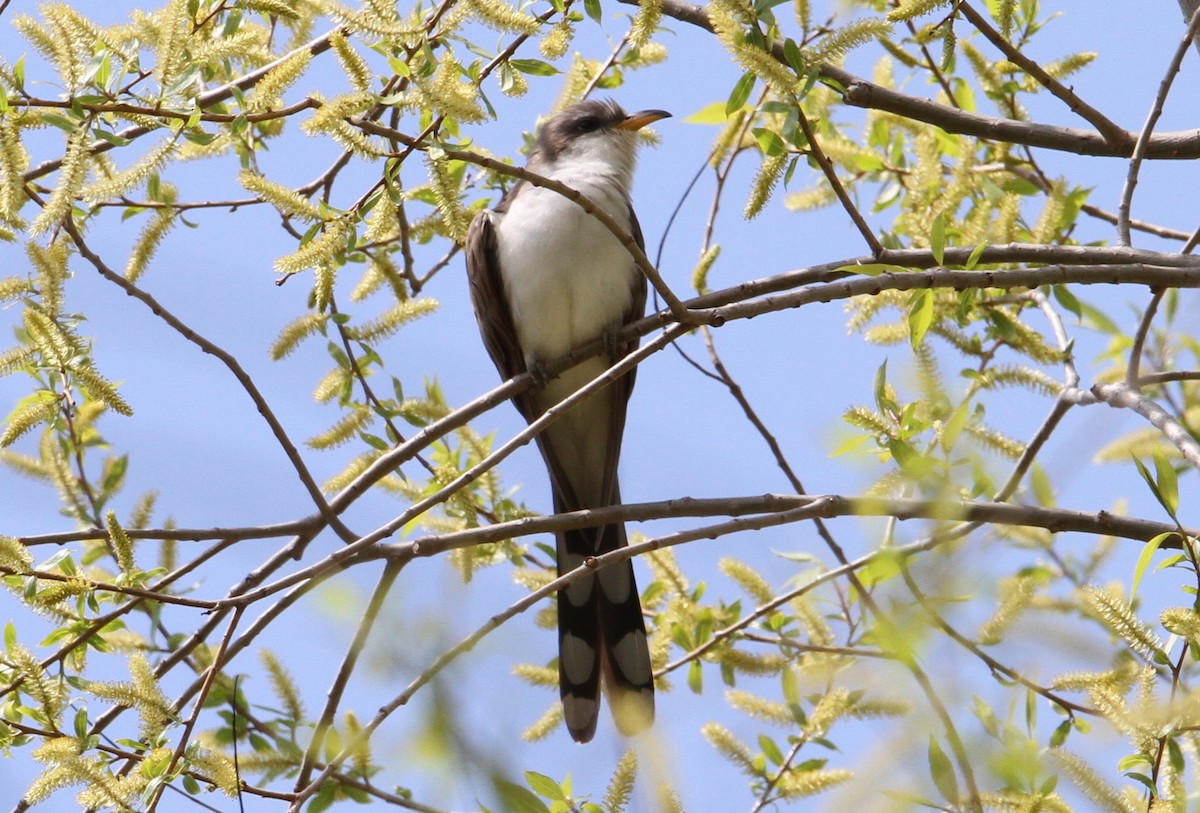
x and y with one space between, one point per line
568 280
566 275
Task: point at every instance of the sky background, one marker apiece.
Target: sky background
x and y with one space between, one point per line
197 440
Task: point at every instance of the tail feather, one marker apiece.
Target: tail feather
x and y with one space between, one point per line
602 632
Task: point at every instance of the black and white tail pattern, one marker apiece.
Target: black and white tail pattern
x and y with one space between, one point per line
601 632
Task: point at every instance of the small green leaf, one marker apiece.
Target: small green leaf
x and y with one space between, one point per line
111 138
545 786
769 141
770 749
937 239
1144 559
61 122
791 687
533 67
1168 485
920 316
232 23
1145 780
1060 734
791 52
976 253
517 799
741 92
954 426
1155 489
1127 763
1064 297
324 798
709 114
1175 754
942 772
592 8
695 677
81 723
885 403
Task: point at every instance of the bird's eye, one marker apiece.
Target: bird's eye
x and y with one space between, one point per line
588 125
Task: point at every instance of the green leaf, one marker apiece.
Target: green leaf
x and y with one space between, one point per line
976 253
954 426
545 786
324 798
791 52
198 137
791 687
1098 320
920 316
942 772
770 749
232 23
1060 734
937 238
517 799
61 122
709 114
1127 763
533 67
1145 780
592 7
81 723
882 400
695 677
1144 559
1064 297
112 138
1168 484
740 94
1175 754
769 141
1163 499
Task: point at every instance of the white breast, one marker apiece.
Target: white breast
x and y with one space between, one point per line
566 276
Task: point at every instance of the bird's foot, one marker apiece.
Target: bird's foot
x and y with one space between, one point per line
538 371
612 344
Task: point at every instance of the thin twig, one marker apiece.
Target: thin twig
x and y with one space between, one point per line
334 696
1143 140
1112 132
1133 368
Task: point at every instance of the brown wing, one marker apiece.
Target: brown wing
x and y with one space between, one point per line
623 388
491 305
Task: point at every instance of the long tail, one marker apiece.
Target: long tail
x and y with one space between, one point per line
601 631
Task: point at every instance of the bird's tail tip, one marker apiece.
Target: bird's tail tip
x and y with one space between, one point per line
632 708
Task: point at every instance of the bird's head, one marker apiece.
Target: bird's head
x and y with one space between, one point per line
593 131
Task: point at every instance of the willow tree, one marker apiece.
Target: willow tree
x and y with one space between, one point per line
971 645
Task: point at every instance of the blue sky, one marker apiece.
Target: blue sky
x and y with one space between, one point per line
197 440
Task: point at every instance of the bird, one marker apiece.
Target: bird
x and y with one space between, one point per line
545 276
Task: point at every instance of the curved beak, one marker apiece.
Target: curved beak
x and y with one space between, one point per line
638 120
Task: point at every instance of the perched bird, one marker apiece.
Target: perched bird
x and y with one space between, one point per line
546 277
